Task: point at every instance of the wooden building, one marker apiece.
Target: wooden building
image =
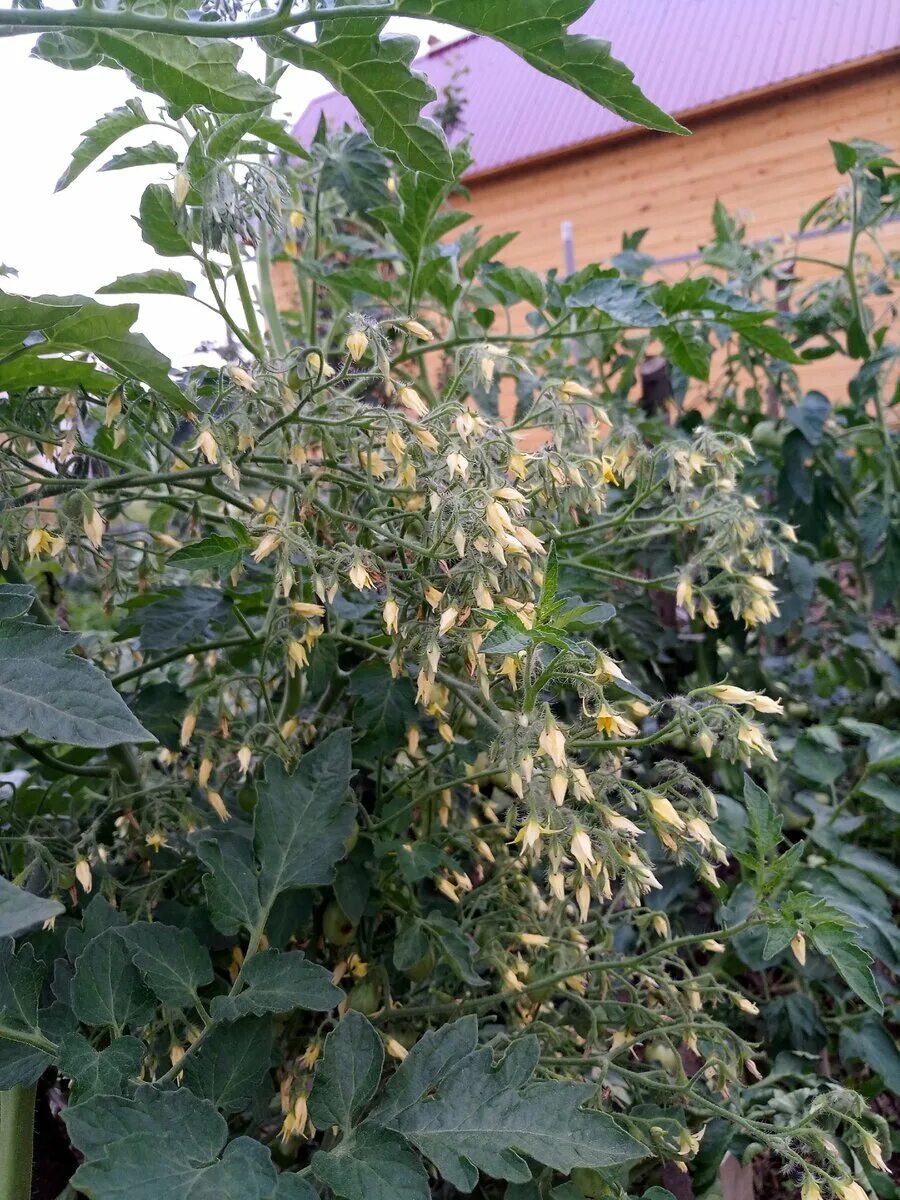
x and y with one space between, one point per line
762 85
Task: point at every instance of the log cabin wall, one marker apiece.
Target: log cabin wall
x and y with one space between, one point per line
766 156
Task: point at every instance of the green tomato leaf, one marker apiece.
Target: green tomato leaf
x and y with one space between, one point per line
155 282
21 978
766 337
482 1116
15 599
688 349
100 1125
20 1066
372 1164
149 155
162 227
31 328
279 982
384 708
245 1172
101 136
838 944
181 617
278 135
107 988
537 32
54 695
232 885
627 302
185 71
872 1043
424 1068
99 1072
347 1074
232 1063
214 553
302 821
171 960
374 74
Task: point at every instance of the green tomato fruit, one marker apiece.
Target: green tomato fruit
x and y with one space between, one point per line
365 996
350 844
662 1053
337 926
422 968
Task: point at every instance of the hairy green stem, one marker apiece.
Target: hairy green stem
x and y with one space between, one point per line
604 965
243 288
99 18
16 1142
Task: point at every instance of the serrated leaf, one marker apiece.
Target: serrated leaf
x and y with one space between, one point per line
20 1066
764 820
872 1043
15 599
384 708
149 155
348 1073
101 1124
185 71
486 1117
182 617
278 135
373 72
458 949
214 553
160 225
77 324
232 885
171 960
688 350
850 960
509 636
98 1072
21 978
54 695
156 282
277 982
302 821
425 1066
101 136
99 915
372 1164
536 32
232 1063
766 337
292 1187
23 372
624 300
107 988
300 825
246 1172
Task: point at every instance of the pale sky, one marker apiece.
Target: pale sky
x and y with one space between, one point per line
84 237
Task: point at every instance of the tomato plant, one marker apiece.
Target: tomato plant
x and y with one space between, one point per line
378 811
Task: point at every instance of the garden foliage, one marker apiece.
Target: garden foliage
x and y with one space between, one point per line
402 800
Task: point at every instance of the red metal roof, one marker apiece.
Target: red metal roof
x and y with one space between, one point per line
685 54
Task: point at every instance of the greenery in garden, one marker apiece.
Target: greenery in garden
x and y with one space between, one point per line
400 801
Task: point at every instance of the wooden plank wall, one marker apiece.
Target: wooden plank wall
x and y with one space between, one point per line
767 158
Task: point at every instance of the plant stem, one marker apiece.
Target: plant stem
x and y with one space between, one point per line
16 1142
243 288
91 18
267 295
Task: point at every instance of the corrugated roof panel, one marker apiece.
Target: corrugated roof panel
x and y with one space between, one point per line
684 54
